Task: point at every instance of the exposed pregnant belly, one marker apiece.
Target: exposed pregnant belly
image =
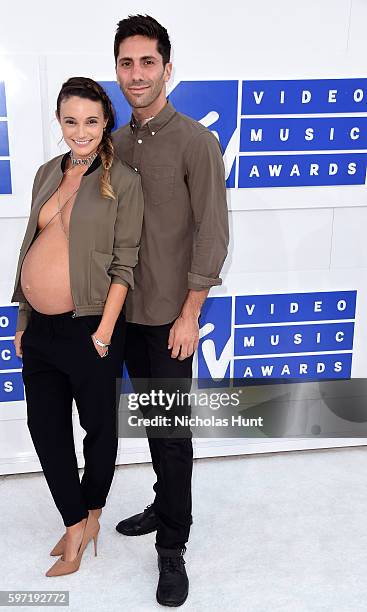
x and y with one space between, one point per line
45 278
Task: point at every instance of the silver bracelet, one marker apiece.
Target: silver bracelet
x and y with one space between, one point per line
100 343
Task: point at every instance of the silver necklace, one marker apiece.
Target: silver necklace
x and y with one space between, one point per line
59 212
86 161
60 208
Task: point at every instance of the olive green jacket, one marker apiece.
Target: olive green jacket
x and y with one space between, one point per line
104 234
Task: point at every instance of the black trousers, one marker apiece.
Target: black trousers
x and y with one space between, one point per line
60 363
147 356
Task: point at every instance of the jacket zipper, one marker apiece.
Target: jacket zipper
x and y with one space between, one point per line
75 312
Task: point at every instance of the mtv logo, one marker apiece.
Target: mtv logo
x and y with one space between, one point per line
215 349
212 103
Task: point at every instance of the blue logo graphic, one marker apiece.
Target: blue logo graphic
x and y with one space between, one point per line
215 344
299 97
273 171
2 100
311 134
11 382
11 387
212 103
5 176
217 105
300 335
295 335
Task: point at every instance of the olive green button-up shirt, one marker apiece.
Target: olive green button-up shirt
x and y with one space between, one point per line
185 230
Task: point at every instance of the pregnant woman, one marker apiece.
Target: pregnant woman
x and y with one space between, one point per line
74 270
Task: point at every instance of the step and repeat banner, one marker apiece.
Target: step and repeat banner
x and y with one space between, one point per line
293 297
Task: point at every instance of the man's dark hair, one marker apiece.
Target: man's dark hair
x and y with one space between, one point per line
143 25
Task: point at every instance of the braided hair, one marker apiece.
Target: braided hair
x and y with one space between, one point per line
84 87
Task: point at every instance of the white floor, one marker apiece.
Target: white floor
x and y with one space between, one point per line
272 533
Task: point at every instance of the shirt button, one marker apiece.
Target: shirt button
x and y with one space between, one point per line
140 141
153 133
135 169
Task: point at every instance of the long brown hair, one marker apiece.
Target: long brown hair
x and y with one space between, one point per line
84 87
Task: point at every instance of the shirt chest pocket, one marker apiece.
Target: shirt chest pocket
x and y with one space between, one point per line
158 184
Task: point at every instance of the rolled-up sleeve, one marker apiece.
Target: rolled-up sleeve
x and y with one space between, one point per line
24 313
127 235
206 183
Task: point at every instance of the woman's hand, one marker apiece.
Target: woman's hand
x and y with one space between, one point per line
103 338
17 339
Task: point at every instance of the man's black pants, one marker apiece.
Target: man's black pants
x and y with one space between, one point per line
60 363
147 357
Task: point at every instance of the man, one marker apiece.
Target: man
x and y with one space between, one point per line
183 247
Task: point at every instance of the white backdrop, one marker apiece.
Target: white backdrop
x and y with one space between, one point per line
283 240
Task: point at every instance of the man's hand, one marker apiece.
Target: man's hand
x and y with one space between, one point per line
184 337
17 339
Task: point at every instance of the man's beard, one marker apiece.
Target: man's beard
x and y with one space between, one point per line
144 100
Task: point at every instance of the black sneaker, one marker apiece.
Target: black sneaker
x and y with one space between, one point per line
139 524
173 584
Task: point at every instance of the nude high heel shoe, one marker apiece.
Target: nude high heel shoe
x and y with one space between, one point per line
61 567
58 549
